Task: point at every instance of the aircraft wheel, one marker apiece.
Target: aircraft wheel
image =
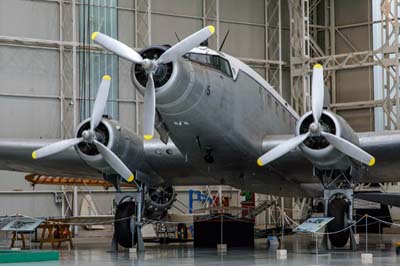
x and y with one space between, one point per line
122 226
338 208
182 232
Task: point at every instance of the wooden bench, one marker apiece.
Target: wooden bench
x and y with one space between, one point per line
15 238
55 233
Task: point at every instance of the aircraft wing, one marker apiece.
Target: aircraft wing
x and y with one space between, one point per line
16 155
385 147
386 198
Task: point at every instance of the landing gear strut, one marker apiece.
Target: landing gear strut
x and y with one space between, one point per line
128 220
338 198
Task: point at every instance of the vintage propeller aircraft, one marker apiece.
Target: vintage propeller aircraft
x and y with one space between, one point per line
219 123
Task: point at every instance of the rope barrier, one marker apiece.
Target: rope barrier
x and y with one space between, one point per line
382 221
291 222
346 228
111 220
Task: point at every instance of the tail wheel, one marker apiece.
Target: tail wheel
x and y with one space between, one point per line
122 226
338 209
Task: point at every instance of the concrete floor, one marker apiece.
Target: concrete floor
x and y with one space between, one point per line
96 253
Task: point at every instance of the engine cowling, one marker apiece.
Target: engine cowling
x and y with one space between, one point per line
317 149
170 80
126 145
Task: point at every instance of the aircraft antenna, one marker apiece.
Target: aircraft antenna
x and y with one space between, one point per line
223 42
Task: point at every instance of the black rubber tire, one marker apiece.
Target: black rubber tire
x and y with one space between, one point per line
338 208
123 233
182 232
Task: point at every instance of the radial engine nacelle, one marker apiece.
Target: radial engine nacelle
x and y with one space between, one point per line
324 138
317 149
123 143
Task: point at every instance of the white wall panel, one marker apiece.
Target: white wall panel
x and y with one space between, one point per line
28 71
29 117
34 19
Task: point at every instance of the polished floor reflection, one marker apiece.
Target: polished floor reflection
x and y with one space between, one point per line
300 252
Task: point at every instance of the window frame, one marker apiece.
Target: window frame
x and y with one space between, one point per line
210 65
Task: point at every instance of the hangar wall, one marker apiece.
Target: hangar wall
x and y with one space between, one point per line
354 34
39 92
37 68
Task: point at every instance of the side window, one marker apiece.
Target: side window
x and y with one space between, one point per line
221 64
213 61
199 58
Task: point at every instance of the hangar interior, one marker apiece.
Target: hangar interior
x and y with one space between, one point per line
50 71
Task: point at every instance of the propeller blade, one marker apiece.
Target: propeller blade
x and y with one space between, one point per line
100 102
186 45
317 92
149 108
114 162
349 149
117 47
55 147
282 149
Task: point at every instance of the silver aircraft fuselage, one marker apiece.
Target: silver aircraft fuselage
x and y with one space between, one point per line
225 113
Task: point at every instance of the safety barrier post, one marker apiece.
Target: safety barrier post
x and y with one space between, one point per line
366 233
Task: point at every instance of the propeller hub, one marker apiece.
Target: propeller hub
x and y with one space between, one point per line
314 128
149 65
88 136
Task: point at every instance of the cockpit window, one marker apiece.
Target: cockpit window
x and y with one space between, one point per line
213 61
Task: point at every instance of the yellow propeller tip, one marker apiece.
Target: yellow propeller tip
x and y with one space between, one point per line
148 137
317 66
372 161
131 178
211 29
34 155
260 163
106 77
94 35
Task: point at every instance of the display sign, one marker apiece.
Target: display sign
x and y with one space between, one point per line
22 224
313 225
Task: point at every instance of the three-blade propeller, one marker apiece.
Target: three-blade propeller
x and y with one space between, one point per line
315 129
89 136
150 66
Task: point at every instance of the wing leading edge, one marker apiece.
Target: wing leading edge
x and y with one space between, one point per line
385 147
16 155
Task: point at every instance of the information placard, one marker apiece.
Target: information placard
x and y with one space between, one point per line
22 224
313 225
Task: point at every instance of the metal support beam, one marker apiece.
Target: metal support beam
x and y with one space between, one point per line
389 60
300 54
273 44
211 16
